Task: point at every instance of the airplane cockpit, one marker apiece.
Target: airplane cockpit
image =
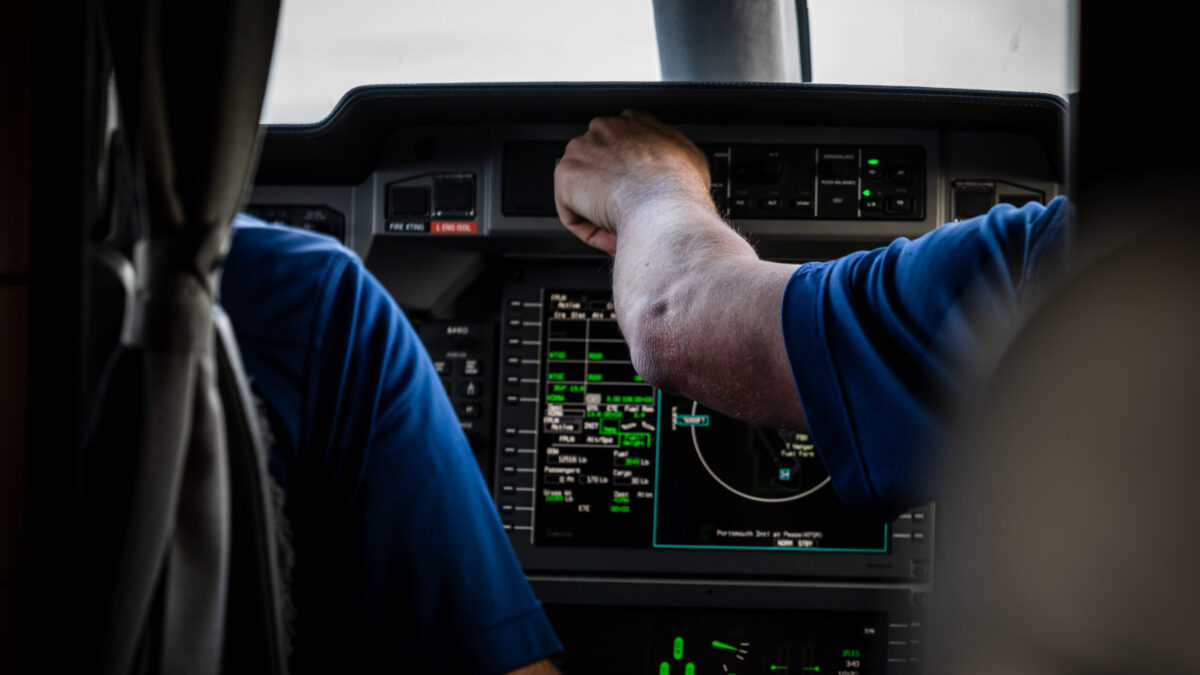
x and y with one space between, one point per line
659 534
636 512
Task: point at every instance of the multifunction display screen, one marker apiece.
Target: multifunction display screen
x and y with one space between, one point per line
620 463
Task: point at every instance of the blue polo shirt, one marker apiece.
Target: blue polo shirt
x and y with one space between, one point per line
884 345
401 563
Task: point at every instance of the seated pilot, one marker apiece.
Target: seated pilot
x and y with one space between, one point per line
401 563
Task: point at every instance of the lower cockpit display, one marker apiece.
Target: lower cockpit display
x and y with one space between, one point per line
622 464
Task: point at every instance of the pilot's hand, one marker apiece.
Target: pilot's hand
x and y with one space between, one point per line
620 166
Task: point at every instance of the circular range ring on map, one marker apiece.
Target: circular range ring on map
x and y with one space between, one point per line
800 492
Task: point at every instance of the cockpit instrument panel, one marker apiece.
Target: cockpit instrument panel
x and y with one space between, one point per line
661 535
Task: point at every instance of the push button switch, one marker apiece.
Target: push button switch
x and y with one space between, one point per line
408 202
803 203
900 173
454 196
838 202
899 204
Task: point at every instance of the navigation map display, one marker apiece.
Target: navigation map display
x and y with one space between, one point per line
622 464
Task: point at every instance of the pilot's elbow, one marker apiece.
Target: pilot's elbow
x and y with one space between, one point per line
656 346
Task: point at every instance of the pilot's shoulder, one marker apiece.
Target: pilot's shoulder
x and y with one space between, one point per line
281 282
293 248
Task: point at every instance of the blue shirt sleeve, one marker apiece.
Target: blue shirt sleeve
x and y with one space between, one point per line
401 559
883 344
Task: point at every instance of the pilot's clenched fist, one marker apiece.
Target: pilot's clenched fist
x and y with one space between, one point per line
621 166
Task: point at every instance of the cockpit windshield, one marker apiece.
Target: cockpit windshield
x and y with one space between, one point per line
324 49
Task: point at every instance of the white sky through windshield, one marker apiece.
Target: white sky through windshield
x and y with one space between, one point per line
324 48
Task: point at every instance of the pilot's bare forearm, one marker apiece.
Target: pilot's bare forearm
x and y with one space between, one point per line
697 306
701 312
